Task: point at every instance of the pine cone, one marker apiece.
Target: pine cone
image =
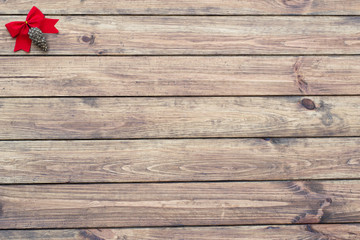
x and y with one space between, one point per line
38 38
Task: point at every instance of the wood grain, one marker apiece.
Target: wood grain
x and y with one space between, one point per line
181 117
178 204
179 160
271 232
179 76
185 7
179 35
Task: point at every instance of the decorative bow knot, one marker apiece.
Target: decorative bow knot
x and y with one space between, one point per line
19 29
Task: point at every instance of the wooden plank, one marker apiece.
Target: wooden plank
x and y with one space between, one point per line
178 160
271 232
185 7
178 117
148 35
174 204
179 76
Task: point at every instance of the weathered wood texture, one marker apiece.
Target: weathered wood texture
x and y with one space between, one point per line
174 204
179 76
147 35
272 232
144 181
185 7
179 160
181 117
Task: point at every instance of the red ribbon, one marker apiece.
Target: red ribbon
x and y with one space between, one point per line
20 30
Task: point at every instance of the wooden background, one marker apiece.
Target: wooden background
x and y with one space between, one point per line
162 119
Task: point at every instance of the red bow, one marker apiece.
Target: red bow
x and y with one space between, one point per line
20 30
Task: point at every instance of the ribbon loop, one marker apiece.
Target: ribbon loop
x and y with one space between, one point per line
35 18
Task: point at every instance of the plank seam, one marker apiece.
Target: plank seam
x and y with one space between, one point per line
183 226
189 55
189 15
175 138
181 96
179 138
183 182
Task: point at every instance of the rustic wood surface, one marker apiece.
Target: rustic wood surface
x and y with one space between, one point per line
179 35
162 119
181 117
271 232
179 76
178 204
185 7
179 160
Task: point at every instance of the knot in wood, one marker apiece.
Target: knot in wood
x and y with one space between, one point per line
308 104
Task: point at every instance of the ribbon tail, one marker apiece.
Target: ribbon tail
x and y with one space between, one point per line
48 25
22 42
